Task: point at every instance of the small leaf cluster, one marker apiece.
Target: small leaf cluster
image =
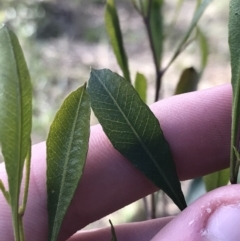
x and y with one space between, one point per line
120 108
128 122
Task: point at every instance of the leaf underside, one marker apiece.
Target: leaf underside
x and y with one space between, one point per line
67 146
133 130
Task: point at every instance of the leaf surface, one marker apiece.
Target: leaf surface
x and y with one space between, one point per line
156 26
204 50
188 81
234 45
134 131
141 86
115 35
15 114
67 147
216 179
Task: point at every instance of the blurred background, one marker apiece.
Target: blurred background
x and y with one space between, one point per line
62 40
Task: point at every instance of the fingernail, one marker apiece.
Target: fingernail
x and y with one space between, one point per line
223 224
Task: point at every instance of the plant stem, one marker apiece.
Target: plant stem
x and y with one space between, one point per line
153 205
176 54
26 187
147 22
21 230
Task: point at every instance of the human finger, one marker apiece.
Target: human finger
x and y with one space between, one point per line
140 231
213 217
197 127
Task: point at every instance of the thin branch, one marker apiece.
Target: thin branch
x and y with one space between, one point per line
21 230
147 22
153 204
177 53
25 194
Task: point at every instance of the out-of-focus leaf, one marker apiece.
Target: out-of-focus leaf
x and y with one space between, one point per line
203 45
156 27
15 115
141 86
188 81
196 189
67 146
234 45
177 11
115 35
114 237
216 179
197 15
134 131
141 6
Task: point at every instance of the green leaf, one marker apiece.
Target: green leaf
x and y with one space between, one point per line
203 45
15 115
156 26
177 11
216 179
134 131
197 15
141 6
234 45
114 237
188 81
141 86
67 147
115 35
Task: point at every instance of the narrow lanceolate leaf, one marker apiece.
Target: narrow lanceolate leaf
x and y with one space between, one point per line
15 114
141 6
67 146
234 45
156 27
114 237
216 179
116 39
141 86
197 15
134 131
188 81
203 45
177 11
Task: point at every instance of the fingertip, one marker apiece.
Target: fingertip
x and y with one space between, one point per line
212 217
140 231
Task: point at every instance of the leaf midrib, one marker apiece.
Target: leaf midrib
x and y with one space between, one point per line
139 139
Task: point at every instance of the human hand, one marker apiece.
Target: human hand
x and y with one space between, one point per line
197 126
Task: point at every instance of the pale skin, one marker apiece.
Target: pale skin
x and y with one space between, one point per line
197 127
